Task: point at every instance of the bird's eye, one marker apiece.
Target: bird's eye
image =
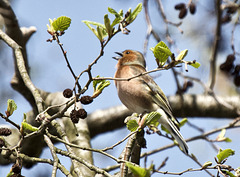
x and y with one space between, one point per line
127 52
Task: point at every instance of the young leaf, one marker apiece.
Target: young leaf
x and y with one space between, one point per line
112 11
223 154
133 15
90 27
138 171
152 119
181 55
161 52
61 23
108 25
132 125
96 32
196 65
206 164
50 27
100 33
11 107
98 86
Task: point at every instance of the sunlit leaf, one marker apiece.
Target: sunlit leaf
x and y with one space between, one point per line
133 15
206 164
161 52
196 65
61 23
152 119
132 125
223 154
108 25
181 55
138 171
11 107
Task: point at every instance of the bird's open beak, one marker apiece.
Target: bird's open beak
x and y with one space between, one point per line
118 57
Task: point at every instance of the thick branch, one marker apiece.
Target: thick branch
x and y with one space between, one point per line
189 106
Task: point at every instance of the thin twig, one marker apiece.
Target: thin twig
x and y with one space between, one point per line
217 38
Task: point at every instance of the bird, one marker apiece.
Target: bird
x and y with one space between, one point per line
141 94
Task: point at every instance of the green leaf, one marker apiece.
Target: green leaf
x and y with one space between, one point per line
138 171
221 136
206 164
11 107
152 119
61 23
132 125
98 86
108 25
196 65
223 154
28 127
161 52
181 55
183 122
50 27
100 33
101 30
112 11
133 15
228 140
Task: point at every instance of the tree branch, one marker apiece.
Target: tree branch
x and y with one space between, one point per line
186 106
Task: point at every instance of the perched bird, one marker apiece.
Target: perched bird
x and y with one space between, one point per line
142 94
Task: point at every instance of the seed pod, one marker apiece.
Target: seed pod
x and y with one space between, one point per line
5 131
82 113
226 18
74 116
180 6
192 8
232 10
228 64
236 70
182 13
237 80
86 99
68 93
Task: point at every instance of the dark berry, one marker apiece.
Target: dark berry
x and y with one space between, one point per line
192 8
228 64
82 113
189 83
182 13
5 131
86 99
226 18
236 70
74 116
232 10
237 80
67 93
180 6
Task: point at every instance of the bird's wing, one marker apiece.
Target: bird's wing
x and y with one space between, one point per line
158 96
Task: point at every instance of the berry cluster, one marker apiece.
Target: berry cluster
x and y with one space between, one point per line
227 17
183 9
75 115
229 68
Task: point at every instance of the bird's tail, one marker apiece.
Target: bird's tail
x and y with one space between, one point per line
171 127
